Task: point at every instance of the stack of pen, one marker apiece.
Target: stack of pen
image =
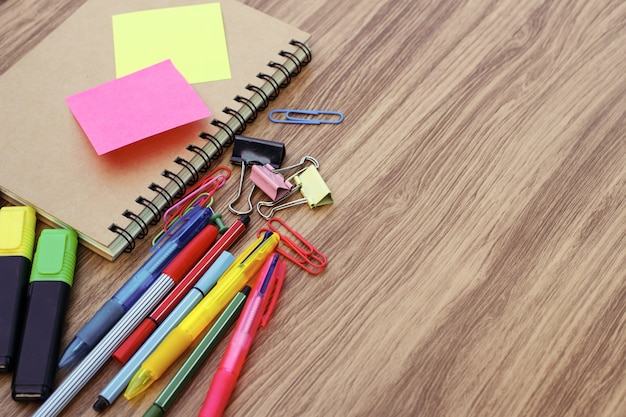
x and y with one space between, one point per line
190 284
255 313
254 307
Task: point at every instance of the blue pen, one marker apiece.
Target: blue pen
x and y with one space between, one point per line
105 318
119 382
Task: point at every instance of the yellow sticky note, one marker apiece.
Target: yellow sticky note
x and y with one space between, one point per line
192 37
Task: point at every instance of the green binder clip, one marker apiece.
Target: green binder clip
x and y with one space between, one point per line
313 188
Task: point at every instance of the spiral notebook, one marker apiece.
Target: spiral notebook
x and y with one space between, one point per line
111 200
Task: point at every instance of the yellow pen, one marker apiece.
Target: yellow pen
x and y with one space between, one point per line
182 336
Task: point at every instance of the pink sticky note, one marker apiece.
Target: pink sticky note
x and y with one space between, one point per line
136 106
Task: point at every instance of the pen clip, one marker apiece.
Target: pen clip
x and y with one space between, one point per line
279 272
184 228
251 250
298 250
200 195
173 230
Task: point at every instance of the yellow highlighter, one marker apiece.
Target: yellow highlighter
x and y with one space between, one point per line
182 336
17 240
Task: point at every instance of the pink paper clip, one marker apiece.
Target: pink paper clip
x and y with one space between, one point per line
270 182
301 252
200 194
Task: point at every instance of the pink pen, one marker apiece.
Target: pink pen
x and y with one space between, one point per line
254 314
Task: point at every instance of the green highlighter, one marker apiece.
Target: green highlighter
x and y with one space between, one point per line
51 279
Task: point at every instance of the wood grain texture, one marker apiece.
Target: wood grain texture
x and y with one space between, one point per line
477 242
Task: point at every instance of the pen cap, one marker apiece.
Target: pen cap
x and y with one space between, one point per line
17 231
55 257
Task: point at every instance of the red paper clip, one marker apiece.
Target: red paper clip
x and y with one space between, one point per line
301 252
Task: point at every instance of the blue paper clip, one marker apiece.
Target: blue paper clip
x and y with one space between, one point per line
335 117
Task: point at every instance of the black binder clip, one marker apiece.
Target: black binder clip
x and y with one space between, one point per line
252 151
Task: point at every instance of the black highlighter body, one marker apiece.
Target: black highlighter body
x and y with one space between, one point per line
39 352
14 272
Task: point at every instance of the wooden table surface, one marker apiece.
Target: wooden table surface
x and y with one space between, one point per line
477 240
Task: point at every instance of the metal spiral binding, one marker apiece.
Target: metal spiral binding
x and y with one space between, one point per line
150 206
282 69
224 126
195 176
305 49
273 82
206 158
124 233
248 103
261 93
182 187
167 196
219 149
292 57
242 121
142 225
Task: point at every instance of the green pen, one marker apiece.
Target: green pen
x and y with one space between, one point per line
200 353
51 279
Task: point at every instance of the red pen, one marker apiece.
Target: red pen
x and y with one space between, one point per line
150 323
255 313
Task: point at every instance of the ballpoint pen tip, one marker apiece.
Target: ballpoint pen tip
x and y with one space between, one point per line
73 353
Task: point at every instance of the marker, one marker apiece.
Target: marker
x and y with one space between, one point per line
17 239
254 314
98 356
208 343
89 335
141 333
51 279
183 335
116 386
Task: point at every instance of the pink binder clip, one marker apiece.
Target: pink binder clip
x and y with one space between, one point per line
270 182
